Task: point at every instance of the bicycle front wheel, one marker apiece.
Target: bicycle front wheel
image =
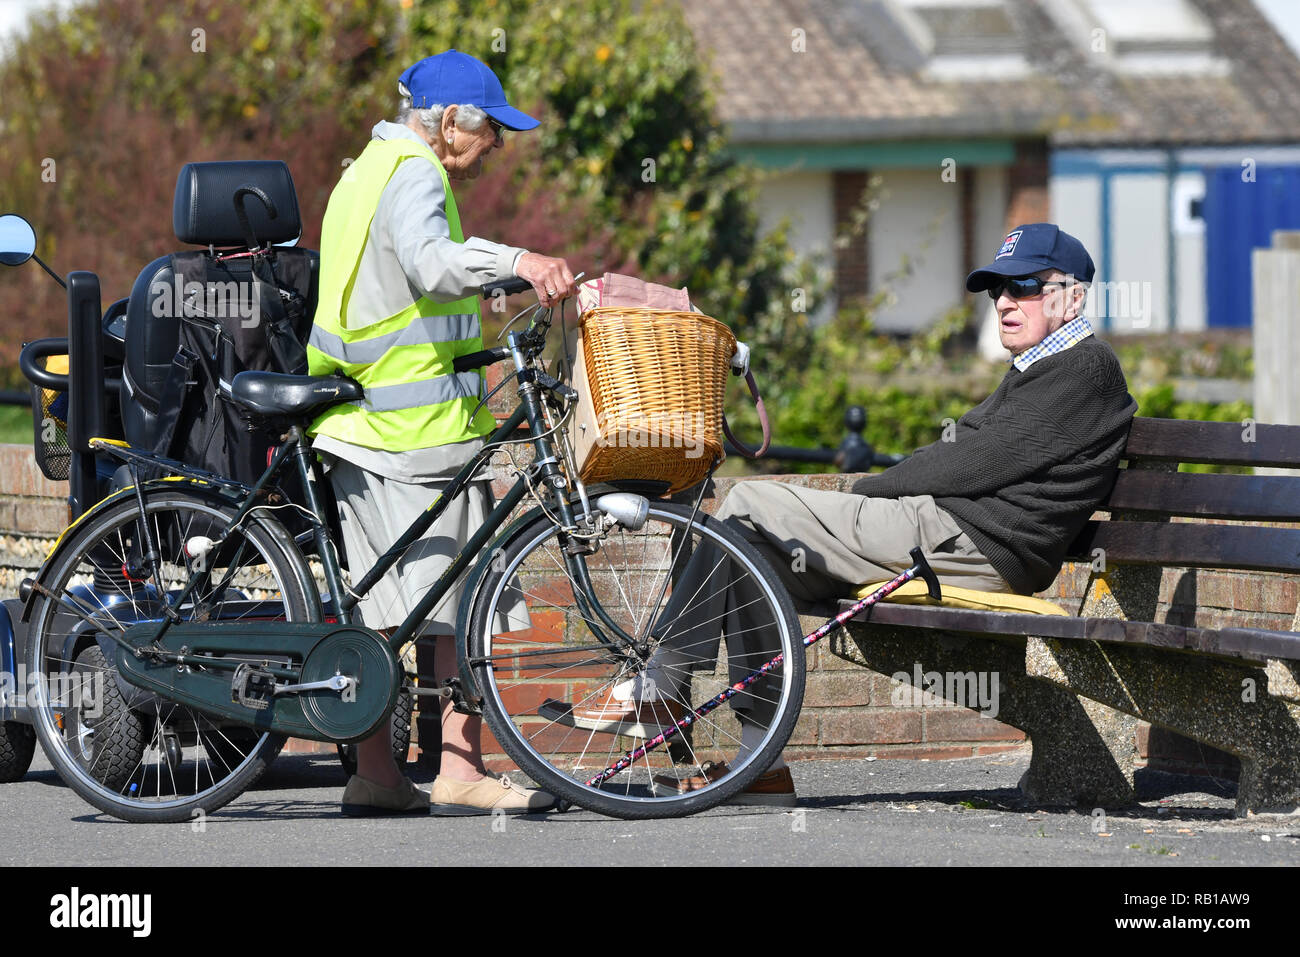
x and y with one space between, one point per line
668 616
131 753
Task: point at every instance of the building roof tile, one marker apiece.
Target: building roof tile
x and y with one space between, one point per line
855 79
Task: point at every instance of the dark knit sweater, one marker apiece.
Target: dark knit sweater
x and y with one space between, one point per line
1029 464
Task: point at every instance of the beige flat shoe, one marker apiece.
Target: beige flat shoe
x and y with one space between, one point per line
365 798
452 798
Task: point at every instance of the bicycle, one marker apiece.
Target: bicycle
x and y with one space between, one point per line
171 695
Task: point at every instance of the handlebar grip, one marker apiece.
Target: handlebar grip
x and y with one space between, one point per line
34 372
476 360
507 286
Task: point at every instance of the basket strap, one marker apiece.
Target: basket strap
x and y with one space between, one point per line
762 418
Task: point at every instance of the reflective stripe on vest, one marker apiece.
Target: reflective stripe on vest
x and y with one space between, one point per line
414 399
421 330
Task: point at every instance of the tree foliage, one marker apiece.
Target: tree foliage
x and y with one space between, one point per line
628 171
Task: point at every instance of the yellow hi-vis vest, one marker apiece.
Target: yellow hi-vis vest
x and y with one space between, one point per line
414 399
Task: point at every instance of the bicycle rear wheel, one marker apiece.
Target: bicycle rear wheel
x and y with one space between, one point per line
131 753
703 608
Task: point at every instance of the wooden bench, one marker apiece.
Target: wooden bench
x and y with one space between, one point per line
1077 685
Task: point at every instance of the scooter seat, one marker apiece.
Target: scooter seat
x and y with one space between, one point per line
292 396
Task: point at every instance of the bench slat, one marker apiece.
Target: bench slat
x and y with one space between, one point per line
1253 643
970 620
1247 497
1196 546
1213 443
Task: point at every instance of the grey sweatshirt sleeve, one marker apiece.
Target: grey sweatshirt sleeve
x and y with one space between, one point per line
412 213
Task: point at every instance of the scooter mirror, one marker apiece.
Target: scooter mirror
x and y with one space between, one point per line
17 240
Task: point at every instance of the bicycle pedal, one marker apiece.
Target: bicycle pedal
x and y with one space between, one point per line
252 687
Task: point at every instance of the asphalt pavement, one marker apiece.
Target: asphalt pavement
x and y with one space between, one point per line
860 812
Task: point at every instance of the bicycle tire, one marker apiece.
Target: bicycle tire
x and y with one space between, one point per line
517 664
130 753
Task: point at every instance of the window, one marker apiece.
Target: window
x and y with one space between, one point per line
964 39
1151 37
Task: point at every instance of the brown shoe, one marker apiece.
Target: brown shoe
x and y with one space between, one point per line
641 719
709 772
774 788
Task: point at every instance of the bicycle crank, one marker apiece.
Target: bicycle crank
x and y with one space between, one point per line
322 682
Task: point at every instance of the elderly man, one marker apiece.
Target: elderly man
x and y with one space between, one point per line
993 506
397 302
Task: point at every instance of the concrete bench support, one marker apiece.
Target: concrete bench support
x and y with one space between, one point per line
1229 705
1083 753
1079 703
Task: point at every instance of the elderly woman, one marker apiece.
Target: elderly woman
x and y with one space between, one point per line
397 297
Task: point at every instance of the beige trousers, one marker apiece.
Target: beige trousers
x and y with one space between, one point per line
375 511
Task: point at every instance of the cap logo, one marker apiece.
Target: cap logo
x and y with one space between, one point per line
1008 244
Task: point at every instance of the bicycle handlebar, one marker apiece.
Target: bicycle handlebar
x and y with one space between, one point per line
508 287
476 360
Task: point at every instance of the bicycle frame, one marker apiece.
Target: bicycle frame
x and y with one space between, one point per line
548 475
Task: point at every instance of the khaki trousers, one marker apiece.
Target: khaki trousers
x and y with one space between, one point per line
375 511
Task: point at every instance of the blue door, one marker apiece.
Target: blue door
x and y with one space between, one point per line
1240 216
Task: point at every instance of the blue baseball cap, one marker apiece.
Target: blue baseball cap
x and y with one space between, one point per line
455 77
1032 248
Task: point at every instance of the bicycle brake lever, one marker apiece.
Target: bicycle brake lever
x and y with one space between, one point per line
523 312
547 381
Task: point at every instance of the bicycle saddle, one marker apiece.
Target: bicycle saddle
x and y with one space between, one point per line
296 396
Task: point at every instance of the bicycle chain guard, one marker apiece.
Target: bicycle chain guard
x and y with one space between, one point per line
270 656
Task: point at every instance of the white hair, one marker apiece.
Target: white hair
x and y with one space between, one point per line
468 117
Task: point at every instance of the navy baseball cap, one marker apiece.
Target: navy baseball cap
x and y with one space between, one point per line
455 77
1032 248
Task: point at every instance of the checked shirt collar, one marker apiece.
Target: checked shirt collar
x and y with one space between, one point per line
1070 334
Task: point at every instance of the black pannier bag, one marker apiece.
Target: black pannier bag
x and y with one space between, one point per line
197 318
230 320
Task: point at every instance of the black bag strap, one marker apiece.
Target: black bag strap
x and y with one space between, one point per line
288 308
137 392
175 387
189 267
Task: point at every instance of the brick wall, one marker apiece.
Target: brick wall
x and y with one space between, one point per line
1027 199
852 268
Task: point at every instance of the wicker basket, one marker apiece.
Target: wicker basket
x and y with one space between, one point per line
651 383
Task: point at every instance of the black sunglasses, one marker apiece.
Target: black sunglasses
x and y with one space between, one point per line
1023 288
